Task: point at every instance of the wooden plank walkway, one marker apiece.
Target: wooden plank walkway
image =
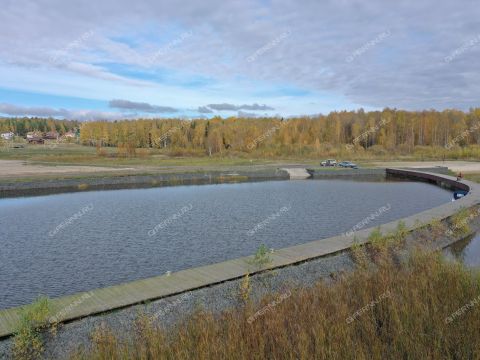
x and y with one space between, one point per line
80 305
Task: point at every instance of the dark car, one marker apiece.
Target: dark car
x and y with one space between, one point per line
348 164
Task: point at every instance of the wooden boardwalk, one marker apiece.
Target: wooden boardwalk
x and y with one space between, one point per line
115 297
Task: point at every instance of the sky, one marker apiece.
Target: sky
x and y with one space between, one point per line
106 59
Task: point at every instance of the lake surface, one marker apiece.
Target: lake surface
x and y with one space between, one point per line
62 244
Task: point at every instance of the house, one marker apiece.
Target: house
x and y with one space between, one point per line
51 135
70 135
35 138
34 134
7 135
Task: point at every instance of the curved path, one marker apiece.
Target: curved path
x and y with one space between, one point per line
81 305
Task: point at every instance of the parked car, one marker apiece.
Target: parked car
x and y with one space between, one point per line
329 162
348 164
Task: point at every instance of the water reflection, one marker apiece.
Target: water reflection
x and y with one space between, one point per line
466 250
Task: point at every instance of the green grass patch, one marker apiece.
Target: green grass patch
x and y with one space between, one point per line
27 343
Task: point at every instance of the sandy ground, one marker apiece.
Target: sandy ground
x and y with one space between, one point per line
18 168
463 166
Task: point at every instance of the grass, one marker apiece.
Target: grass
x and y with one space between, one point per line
155 161
473 177
459 222
74 154
28 342
394 311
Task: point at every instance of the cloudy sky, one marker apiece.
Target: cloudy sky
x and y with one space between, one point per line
114 59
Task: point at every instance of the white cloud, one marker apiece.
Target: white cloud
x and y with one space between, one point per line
99 72
406 69
15 110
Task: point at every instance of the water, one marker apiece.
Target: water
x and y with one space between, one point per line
42 252
467 251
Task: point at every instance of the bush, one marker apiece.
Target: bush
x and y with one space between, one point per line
261 258
27 343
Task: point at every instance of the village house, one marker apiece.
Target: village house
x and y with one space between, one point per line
7 135
34 134
70 135
34 137
51 135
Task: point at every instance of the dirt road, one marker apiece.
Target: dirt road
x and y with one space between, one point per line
12 169
456 166
19 169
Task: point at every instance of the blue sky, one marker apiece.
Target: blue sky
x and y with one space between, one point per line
261 58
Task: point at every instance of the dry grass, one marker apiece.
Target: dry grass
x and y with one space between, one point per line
473 177
74 154
395 310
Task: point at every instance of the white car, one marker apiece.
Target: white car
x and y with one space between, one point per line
329 162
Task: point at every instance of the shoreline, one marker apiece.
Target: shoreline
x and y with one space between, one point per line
39 187
16 188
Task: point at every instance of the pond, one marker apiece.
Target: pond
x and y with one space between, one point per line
61 244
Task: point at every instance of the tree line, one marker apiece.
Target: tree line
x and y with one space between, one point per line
22 126
389 130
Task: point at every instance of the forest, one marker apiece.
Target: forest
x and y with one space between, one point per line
378 132
21 126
